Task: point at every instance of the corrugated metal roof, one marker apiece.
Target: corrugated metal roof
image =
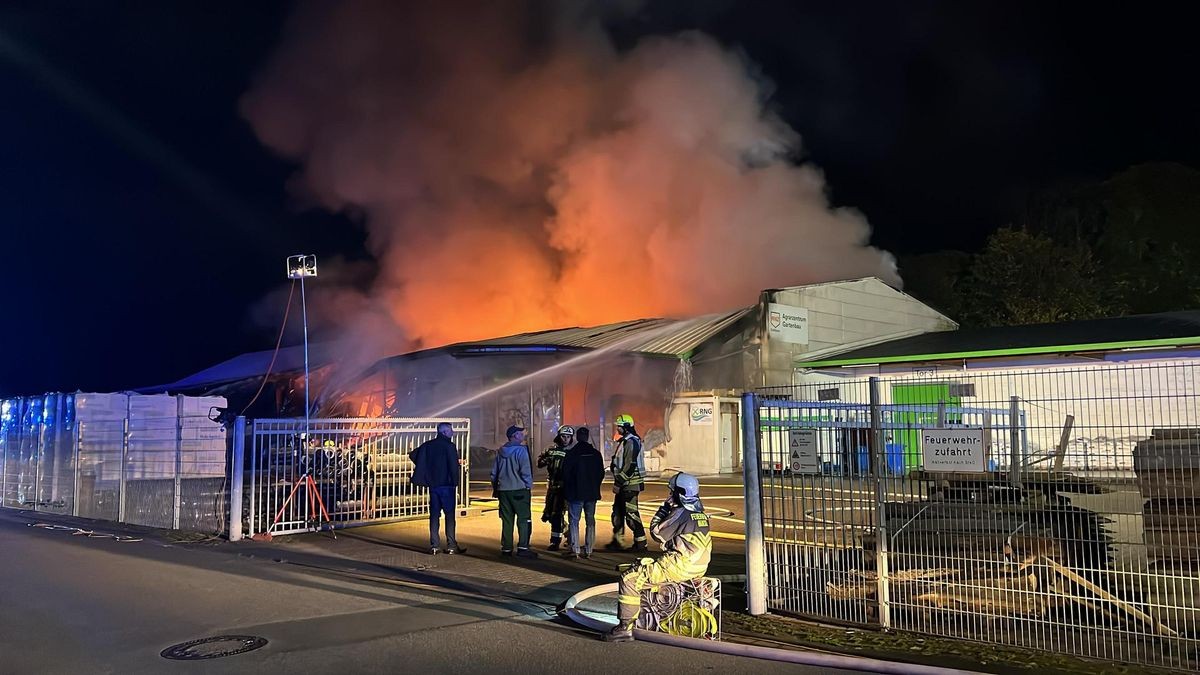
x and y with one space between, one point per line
660 337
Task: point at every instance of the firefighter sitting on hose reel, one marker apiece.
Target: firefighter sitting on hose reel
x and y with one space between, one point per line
681 527
628 471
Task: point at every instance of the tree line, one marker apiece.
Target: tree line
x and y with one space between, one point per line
1126 245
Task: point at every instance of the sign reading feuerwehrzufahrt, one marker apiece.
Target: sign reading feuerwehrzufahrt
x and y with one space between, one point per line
953 449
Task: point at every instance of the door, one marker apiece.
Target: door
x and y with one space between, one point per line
907 440
731 446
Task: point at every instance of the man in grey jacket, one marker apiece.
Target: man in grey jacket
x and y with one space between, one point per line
512 479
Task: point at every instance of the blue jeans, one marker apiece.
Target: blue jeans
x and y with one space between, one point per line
441 501
589 510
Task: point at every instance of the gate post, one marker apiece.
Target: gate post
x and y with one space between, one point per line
124 462
756 567
178 488
237 462
1014 441
879 456
76 457
39 456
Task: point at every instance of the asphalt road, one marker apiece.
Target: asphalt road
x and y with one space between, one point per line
72 603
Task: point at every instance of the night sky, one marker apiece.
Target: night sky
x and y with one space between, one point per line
142 224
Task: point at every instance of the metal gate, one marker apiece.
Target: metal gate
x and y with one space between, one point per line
359 469
1074 529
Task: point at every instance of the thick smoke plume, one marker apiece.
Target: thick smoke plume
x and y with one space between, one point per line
516 172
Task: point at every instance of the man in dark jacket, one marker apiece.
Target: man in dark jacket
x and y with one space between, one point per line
436 466
582 474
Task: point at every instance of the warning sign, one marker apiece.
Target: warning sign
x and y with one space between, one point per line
803 456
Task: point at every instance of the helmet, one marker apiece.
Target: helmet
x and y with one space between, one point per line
624 420
685 487
566 430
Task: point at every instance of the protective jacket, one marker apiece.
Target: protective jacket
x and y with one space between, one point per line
551 460
682 532
627 465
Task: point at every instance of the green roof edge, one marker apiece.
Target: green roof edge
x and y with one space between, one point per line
1019 351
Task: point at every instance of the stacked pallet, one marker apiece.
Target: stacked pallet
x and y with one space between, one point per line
1167 466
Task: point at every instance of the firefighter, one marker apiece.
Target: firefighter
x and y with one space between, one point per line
681 527
628 470
551 459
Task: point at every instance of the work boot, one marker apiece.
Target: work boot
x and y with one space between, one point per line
526 553
639 547
622 632
553 545
614 545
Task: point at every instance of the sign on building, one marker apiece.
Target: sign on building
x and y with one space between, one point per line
700 414
787 323
953 450
802 451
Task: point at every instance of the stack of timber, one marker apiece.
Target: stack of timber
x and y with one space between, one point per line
1167 466
977 546
987 521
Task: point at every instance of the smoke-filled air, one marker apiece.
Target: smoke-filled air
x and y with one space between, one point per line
516 171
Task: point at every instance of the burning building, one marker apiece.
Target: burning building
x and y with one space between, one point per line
679 378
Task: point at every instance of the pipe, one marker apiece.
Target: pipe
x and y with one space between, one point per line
569 610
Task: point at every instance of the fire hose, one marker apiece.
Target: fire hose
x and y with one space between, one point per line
570 610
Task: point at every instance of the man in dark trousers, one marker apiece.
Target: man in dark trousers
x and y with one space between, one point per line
582 474
436 466
512 480
551 459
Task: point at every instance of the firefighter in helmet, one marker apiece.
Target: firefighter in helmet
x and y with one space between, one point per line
551 460
628 471
681 527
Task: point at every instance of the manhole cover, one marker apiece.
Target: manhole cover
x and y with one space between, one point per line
213 647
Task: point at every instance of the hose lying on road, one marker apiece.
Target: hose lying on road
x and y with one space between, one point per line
79 531
569 610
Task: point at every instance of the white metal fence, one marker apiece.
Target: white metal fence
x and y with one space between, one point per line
1072 526
350 472
146 460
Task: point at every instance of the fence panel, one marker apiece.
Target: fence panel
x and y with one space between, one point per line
817 501
152 460
1054 509
359 469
